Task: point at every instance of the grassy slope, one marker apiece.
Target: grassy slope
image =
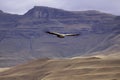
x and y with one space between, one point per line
92 68
4 69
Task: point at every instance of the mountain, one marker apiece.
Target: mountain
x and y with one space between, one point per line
24 37
94 68
50 13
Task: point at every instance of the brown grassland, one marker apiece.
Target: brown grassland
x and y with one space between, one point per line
87 68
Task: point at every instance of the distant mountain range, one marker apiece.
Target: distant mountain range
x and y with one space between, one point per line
23 37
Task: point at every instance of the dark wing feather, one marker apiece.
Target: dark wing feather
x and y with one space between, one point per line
54 33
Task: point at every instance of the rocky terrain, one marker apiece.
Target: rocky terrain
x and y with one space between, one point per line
23 37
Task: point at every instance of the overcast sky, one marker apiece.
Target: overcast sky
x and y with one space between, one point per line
22 6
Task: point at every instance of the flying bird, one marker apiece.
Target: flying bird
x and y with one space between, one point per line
59 35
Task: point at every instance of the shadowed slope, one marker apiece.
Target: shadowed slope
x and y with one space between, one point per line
23 37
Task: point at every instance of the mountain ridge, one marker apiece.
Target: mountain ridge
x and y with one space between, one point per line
23 37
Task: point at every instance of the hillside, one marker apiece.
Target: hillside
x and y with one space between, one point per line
23 37
94 68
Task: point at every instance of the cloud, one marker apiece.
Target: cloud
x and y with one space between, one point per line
21 6
16 6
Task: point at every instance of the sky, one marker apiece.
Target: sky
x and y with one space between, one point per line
22 6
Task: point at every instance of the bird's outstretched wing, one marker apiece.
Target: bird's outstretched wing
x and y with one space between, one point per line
72 34
54 33
62 35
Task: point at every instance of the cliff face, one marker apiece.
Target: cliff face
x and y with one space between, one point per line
23 37
46 12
